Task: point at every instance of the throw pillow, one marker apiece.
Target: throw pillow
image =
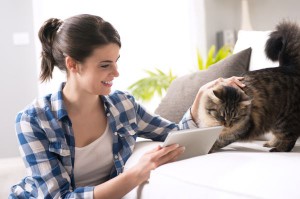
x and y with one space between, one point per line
182 91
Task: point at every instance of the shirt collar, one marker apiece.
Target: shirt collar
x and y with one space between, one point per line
57 103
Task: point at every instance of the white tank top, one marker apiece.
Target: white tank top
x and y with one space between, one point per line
94 162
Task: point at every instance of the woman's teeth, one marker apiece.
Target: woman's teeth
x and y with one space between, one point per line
108 83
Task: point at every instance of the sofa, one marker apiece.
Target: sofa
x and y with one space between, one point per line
238 171
242 170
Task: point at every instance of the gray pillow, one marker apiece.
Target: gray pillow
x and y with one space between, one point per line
182 91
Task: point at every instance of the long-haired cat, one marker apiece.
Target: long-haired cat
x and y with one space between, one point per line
269 102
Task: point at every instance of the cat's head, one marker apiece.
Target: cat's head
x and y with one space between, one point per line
228 105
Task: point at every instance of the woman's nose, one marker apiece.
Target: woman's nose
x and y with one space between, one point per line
115 71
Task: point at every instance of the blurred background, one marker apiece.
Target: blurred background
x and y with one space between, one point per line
164 34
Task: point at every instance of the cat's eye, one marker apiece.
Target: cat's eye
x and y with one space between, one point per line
221 118
235 119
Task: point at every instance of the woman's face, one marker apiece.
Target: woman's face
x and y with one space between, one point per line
96 74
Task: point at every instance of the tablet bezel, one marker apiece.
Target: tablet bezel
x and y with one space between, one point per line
196 141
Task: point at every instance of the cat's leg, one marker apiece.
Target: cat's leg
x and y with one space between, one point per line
285 136
284 146
226 139
222 141
271 143
231 135
281 143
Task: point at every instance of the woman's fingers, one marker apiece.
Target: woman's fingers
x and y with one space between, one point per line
236 81
171 156
232 81
161 155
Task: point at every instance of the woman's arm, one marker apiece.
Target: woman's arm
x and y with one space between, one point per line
126 181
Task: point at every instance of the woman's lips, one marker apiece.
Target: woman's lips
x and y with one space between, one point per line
107 83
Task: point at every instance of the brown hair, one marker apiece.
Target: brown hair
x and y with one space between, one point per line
76 37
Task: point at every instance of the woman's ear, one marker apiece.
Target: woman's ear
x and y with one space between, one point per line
71 64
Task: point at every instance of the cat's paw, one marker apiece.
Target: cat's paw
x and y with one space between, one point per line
211 151
268 144
274 150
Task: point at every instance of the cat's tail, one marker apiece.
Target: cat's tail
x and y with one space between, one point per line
284 44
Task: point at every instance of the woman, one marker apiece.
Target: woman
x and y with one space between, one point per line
76 141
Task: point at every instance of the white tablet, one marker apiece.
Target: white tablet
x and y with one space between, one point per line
196 141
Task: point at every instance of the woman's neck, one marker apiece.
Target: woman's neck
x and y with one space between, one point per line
80 102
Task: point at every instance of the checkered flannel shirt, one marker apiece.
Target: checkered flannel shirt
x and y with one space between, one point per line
47 143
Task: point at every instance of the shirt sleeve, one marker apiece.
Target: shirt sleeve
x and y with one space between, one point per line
155 127
47 177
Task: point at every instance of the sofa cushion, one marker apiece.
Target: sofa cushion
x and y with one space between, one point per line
182 91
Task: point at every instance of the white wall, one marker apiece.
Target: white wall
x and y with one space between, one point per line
18 69
153 33
264 15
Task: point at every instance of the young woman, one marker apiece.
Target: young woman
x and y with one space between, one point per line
76 141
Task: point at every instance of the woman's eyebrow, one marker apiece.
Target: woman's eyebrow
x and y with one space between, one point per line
110 60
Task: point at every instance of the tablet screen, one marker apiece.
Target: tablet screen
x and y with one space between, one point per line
196 141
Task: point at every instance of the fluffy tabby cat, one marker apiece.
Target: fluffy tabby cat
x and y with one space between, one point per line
269 102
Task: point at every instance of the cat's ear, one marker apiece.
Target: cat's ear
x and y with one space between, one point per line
215 95
218 93
246 100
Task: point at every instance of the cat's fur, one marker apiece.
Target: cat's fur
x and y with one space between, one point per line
270 101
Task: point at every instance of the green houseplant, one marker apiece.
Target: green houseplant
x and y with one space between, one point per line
212 56
157 82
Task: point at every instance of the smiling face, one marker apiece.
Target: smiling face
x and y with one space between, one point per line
96 73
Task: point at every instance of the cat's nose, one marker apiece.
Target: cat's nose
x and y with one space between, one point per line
227 124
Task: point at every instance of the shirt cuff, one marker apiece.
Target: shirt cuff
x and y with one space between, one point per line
187 121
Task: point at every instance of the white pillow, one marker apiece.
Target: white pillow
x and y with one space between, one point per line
256 40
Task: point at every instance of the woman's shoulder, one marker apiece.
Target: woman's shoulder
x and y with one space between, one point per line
37 106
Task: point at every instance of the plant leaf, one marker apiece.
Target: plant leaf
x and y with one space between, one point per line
155 83
200 60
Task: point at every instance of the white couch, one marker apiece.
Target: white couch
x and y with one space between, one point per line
238 171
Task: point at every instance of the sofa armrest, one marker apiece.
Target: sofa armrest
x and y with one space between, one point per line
12 170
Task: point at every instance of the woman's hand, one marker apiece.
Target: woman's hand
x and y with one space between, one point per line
139 173
155 158
232 81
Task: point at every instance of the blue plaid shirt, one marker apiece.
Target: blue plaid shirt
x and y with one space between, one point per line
47 143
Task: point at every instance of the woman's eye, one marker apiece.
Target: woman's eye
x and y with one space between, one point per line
104 65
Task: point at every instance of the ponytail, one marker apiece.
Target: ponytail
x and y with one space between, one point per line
47 35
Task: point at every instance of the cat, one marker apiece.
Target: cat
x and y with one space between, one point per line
270 101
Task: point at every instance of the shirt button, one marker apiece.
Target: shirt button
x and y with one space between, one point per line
116 133
116 156
108 114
